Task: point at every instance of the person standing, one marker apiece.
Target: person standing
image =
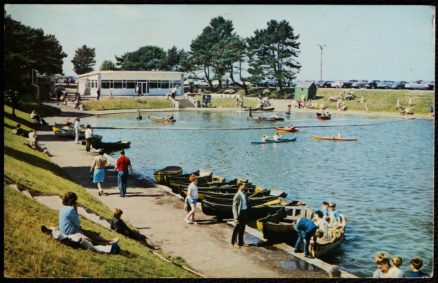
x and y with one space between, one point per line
395 269
240 213
416 264
123 167
88 137
98 93
99 164
306 229
383 266
77 128
192 199
138 90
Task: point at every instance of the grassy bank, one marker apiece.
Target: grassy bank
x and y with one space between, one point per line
231 102
379 100
30 253
127 103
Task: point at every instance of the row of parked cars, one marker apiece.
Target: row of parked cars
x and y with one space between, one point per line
377 84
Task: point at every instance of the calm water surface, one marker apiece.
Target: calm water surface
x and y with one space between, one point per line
383 183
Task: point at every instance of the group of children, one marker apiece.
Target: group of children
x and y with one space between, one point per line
327 219
387 268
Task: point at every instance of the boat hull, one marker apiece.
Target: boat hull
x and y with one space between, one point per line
286 130
332 138
274 141
167 171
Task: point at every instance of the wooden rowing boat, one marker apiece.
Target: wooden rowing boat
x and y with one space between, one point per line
281 140
326 246
321 116
252 200
262 118
286 129
162 119
110 146
70 134
167 171
225 211
216 191
332 138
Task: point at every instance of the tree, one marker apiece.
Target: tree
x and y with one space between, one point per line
107 65
146 58
213 51
28 51
272 52
173 59
83 61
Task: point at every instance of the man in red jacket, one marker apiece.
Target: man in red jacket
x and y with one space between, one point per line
123 167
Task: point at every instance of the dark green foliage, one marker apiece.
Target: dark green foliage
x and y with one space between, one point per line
107 65
272 53
28 50
83 61
147 58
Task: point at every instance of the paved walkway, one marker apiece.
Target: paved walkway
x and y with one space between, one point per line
159 215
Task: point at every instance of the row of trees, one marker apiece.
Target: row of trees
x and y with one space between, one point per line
218 53
28 52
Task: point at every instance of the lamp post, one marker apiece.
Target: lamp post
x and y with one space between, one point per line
322 47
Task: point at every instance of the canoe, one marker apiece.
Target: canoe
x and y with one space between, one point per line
169 178
268 108
169 170
110 146
333 138
286 129
262 118
282 140
161 119
320 116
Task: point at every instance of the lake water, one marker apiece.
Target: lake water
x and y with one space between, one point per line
383 183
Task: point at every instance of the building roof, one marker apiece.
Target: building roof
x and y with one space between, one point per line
304 84
129 73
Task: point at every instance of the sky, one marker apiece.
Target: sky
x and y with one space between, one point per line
361 42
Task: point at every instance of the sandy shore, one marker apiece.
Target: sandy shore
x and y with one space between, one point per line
159 215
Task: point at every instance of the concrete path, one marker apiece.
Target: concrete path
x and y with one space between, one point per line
159 215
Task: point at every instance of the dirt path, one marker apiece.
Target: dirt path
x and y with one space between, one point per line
159 215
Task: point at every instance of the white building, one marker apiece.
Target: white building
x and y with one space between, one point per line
124 83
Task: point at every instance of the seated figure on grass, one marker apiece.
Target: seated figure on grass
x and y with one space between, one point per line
70 232
118 225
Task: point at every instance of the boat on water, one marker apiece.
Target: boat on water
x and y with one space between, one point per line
281 140
279 227
253 200
168 119
333 138
286 129
263 118
167 171
323 116
223 192
110 146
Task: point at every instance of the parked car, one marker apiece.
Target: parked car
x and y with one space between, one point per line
327 84
320 83
337 84
360 84
417 85
398 85
348 84
384 84
373 84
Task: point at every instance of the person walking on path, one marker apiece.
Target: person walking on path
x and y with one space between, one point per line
306 229
240 213
123 167
192 199
98 93
99 164
88 137
77 128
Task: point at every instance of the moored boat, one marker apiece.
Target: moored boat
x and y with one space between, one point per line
323 116
263 118
67 133
167 171
168 119
281 140
333 138
110 146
